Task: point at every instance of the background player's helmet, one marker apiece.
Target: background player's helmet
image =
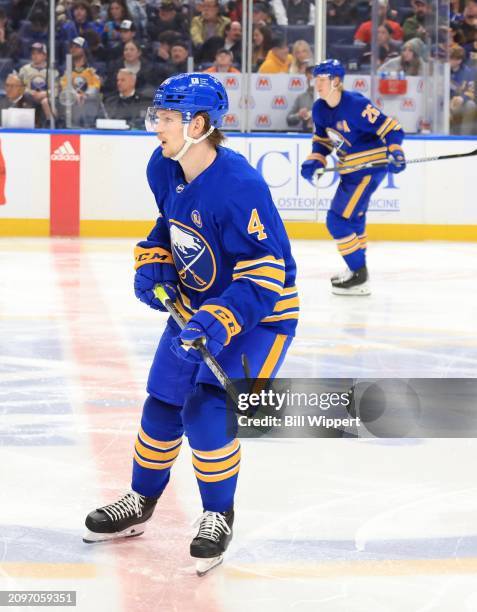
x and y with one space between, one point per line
192 93
331 68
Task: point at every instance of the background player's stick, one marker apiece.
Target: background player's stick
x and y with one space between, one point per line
385 162
209 359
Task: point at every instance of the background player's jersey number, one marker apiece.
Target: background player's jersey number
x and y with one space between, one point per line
255 226
370 113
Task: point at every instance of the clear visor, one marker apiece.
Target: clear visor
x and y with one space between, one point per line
152 118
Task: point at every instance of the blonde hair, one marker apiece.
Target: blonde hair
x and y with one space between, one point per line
296 66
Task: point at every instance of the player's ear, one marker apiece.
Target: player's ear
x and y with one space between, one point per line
198 125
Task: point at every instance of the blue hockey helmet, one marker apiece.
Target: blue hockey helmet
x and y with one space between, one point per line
192 93
331 68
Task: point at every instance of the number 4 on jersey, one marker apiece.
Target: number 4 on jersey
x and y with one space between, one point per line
255 226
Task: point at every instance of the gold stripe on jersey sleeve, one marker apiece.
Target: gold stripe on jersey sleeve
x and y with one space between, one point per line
280 317
263 283
381 129
385 132
268 271
247 263
282 305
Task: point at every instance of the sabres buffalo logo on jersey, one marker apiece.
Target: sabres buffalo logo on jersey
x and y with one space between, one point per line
193 257
337 139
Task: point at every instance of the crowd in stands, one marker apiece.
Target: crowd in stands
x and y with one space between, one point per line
122 49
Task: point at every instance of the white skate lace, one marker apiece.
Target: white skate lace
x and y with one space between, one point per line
129 504
212 525
343 276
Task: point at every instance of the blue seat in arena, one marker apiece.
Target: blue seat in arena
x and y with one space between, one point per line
6 66
300 32
25 28
350 55
340 34
26 43
23 61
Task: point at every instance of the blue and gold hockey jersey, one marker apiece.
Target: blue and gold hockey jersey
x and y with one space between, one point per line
223 234
356 130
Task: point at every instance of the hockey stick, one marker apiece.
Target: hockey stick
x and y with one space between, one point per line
209 359
385 162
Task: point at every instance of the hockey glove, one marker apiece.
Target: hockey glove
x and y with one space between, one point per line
143 288
154 265
309 170
397 160
204 328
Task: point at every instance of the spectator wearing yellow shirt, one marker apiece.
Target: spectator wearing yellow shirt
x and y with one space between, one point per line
209 23
278 58
85 80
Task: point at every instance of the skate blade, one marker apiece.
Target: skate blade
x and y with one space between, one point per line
359 290
90 537
203 566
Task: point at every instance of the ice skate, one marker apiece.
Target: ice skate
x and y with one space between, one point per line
337 275
351 283
212 539
125 518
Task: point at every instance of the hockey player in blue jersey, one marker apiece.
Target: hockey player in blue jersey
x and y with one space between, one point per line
351 126
221 251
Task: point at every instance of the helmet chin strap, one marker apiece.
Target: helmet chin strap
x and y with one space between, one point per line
332 90
189 141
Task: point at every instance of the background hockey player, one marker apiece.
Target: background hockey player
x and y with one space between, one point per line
349 124
221 251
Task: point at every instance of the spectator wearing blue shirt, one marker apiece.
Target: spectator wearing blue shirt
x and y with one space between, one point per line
117 13
80 23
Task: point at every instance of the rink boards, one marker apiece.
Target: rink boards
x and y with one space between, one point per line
93 184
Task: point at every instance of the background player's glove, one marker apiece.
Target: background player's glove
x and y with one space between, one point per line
309 170
397 159
201 325
149 274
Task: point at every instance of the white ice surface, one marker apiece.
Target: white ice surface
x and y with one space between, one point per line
335 525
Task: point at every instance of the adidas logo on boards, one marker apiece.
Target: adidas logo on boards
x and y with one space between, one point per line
65 153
